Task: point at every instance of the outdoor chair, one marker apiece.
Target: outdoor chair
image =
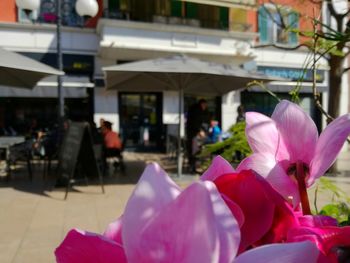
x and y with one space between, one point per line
115 156
20 152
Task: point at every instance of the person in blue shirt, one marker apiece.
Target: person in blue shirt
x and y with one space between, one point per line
214 132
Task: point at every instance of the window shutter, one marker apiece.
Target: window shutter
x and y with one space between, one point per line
293 18
223 17
176 8
191 10
113 5
262 20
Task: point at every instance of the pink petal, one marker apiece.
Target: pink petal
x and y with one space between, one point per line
154 191
258 201
80 246
326 238
317 221
219 166
262 134
246 191
266 166
196 227
329 146
114 231
287 253
235 210
297 129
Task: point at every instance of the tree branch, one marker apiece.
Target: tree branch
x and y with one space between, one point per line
338 17
345 70
281 47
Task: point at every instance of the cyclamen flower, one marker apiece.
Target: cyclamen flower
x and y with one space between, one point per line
163 224
249 196
332 241
286 147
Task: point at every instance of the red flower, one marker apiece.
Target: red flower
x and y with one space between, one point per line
267 216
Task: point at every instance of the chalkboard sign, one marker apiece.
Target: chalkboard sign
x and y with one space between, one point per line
77 150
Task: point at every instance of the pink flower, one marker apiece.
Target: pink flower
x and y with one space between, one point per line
287 144
163 224
333 242
259 202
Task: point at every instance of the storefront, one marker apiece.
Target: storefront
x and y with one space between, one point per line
22 108
255 99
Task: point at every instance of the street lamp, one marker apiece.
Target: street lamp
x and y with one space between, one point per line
85 8
28 5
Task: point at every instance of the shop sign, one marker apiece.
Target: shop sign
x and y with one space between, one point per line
293 74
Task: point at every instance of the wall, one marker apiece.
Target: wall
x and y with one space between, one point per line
106 107
305 8
8 11
230 103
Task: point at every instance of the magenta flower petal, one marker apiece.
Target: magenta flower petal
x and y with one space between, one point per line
80 246
297 129
258 201
327 239
262 134
114 231
235 210
196 227
219 166
287 253
266 166
328 146
153 192
317 221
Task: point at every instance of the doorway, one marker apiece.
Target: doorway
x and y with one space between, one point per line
141 126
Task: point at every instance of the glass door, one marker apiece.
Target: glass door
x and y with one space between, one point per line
141 120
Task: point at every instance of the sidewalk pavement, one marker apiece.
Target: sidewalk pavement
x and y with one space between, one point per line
34 219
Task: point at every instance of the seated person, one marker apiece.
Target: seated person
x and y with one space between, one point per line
214 132
197 143
112 143
38 144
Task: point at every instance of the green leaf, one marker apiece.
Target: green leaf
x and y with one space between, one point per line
339 211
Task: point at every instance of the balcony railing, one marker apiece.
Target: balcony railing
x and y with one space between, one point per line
180 21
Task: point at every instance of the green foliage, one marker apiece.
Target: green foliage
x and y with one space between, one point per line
325 184
330 46
338 209
228 148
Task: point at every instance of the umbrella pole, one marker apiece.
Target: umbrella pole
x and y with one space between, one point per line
181 125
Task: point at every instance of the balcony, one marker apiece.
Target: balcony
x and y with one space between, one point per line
127 40
178 21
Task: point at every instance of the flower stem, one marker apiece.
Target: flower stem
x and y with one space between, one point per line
300 176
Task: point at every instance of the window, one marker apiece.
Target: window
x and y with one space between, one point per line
276 26
27 17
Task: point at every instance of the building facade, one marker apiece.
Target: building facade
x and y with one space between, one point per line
131 30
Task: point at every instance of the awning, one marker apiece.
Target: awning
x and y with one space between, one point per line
68 82
226 3
22 72
73 87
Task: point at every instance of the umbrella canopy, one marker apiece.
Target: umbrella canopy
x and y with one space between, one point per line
185 74
22 72
179 72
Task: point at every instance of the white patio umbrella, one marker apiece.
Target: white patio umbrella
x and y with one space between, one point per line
22 72
182 73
